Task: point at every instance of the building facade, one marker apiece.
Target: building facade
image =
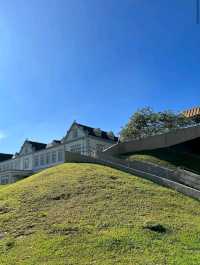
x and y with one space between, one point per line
35 156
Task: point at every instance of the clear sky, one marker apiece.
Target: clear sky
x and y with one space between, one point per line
94 61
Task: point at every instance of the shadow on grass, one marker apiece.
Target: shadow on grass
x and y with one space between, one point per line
169 157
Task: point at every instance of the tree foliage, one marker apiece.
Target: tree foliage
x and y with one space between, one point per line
145 122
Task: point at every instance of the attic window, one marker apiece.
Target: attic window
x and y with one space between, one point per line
75 133
26 150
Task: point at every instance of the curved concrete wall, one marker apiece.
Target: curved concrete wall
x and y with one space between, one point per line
155 142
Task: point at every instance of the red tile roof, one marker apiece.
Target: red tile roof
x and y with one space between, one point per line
192 112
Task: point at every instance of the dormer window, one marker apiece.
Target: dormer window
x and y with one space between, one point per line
111 135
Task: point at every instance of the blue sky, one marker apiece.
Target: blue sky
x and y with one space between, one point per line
94 61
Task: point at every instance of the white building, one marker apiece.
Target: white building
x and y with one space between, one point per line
34 156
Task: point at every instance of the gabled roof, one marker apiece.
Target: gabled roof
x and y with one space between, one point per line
56 141
92 131
36 145
53 143
4 157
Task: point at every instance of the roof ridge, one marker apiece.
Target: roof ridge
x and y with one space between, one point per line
91 131
30 141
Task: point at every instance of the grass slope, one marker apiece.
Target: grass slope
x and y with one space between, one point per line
90 214
168 158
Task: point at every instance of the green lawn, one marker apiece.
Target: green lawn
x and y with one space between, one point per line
89 214
169 158
4 186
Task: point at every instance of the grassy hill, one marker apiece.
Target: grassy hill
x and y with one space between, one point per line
168 157
90 214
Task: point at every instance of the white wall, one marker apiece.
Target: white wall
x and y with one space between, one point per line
26 149
75 132
48 157
11 164
86 145
27 162
96 144
78 146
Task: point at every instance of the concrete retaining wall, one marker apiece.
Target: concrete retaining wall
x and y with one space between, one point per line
180 180
155 142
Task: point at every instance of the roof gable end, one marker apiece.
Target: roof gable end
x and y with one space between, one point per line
30 146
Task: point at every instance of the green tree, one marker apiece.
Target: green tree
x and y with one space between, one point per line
143 122
146 122
196 119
